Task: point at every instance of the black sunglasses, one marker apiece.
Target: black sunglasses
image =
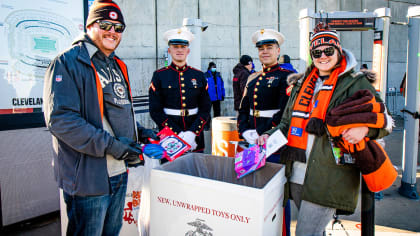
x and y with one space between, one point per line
317 53
106 25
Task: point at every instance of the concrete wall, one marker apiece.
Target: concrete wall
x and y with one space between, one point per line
231 24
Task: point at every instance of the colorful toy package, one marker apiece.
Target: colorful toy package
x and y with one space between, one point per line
172 143
249 160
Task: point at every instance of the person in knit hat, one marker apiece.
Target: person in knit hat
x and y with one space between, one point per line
240 75
88 109
321 179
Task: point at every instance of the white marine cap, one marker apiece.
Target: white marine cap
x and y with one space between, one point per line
180 36
267 36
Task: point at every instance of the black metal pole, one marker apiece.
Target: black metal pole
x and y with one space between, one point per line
368 211
85 11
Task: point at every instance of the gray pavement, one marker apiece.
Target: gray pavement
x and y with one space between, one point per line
394 214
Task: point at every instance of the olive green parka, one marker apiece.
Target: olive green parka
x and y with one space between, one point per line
326 183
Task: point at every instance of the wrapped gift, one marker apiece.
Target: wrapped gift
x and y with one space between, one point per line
249 160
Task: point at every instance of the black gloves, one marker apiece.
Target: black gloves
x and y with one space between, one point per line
144 134
128 150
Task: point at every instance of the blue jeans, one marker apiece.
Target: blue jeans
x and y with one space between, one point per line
97 215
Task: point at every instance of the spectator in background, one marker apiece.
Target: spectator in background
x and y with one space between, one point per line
284 62
216 88
240 75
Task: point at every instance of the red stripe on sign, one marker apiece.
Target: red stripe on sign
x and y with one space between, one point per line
16 110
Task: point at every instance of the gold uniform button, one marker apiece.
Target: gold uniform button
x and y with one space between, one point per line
166 124
183 98
183 91
255 103
255 96
199 126
177 68
202 122
256 90
170 128
197 132
184 105
182 85
263 74
258 83
260 78
181 74
169 86
269 69
269 86
182 78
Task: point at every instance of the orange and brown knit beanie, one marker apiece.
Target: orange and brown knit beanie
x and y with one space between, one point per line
323 35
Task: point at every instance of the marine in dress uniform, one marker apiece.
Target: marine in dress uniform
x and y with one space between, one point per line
178 96
265 97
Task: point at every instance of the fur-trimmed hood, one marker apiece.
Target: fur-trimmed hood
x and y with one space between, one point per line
292 79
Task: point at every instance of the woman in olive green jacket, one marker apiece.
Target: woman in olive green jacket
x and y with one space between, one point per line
316 183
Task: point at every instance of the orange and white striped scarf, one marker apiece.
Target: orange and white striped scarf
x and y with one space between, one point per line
309 116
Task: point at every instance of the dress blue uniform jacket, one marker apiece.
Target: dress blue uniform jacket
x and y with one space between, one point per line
265 90
180 88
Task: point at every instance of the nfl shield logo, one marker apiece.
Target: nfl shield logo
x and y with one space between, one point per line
58 78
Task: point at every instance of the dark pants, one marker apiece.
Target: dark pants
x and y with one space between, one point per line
97 215
216 108
216 113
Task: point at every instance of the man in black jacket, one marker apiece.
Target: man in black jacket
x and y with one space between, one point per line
240 75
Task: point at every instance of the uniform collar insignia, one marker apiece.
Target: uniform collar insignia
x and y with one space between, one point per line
269 68
177 68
